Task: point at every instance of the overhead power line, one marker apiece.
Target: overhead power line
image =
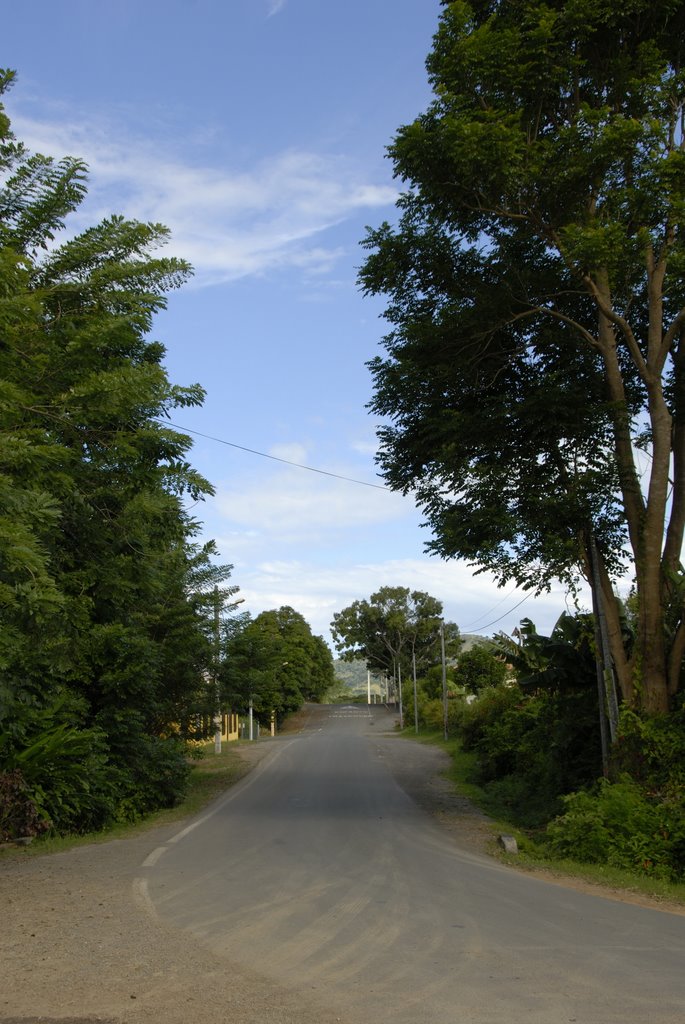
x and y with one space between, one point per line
495 621
275 458
322 472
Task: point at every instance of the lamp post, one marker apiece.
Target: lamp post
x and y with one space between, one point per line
217 689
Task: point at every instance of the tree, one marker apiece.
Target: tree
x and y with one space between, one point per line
538 308
563 662
102 646
392 626
478 668
276 662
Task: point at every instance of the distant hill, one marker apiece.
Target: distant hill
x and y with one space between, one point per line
351 673
471 640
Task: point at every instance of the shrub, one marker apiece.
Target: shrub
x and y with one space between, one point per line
19 816
68 778
161 775
618 823
652 751
480 668
531 749
153 771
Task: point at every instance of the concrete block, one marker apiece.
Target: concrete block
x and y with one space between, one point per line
508 844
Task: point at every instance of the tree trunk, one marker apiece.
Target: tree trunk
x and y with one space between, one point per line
645 520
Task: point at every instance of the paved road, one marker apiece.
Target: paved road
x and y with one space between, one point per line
321 874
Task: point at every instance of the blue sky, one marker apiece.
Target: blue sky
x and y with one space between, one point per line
256 131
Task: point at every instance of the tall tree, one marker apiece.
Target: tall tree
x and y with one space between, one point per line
538 308
97 553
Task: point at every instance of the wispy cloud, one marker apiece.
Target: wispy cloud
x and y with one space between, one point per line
228 222
274 6
298 507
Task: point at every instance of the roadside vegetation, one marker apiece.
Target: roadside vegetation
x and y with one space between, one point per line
209 776
531 397
529 717
531 394
533 853
116 621
527 751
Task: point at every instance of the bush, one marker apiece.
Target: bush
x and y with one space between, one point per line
652 751
618 823
19 816
68 778
489 728
153 771
530 750
161 774
480 668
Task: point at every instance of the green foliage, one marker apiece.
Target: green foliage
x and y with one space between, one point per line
618 823
479 668
19 815
536 298
104 643
66 773
70 778
394 626
652 751
530 750
158 773
430 682
536 749
276 662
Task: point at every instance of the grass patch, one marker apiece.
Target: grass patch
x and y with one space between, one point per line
532 856
603 876
210 776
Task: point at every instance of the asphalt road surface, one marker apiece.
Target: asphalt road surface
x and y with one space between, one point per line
318 872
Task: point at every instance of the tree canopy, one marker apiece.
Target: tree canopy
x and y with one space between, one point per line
393 626
537 309
478 668
275 661
105 634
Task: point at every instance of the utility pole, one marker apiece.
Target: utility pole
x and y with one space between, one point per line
416 699
217 664
606 684
444 678
217 693
399 691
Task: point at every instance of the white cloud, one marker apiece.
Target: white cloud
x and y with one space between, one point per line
274 6
473 602
318 544
228 222
297 505
365 447
293 452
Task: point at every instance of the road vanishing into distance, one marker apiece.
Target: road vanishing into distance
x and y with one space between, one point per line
320 873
